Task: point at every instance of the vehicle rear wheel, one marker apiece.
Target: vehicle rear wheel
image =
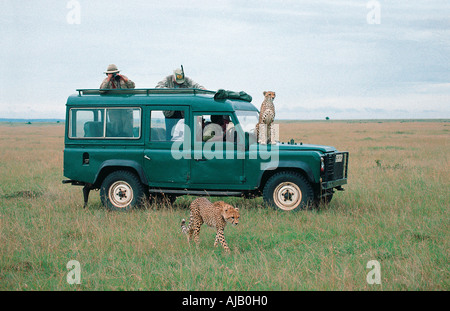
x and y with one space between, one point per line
121 190
288 191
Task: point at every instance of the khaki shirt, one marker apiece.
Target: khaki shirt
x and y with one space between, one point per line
168 82
112 84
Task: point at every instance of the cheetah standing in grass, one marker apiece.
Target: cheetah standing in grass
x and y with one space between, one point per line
265 131
215 215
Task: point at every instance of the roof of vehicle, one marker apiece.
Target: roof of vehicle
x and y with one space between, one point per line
199 100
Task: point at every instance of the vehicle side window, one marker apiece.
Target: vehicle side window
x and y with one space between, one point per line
214 128
86 123
92 123
167 125
122 122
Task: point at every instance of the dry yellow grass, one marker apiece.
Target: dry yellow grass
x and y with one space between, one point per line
394 210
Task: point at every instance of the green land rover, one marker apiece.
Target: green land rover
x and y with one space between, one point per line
139 144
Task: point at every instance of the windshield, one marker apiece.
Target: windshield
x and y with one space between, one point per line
247 120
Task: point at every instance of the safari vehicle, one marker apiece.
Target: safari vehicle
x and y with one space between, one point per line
147 143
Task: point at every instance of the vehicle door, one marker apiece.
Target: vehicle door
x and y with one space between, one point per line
164 161
217 156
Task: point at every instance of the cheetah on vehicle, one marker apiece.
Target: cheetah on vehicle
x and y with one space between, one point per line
215 215
265 132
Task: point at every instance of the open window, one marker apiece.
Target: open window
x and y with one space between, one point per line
214 128
167 125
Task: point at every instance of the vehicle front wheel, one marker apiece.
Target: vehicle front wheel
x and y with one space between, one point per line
288 191
121 190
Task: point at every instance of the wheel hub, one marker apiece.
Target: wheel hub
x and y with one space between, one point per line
287 196
121 194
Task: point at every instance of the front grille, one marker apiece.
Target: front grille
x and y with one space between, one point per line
336 165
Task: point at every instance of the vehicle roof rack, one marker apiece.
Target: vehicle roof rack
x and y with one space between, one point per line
142 91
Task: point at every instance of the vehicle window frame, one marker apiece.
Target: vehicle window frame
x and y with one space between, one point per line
104 114
233 120
165 143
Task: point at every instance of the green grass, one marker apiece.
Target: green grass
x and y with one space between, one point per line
395 212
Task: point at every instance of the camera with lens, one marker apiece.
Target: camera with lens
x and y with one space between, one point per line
116 77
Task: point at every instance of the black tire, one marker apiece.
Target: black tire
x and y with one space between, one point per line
121 191
288 191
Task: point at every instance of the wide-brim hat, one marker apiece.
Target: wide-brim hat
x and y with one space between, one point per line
112 69
178 76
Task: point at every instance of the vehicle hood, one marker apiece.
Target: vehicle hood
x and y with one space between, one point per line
305 147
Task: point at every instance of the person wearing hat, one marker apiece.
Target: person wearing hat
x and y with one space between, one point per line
116 81
175 81
120 120
178 80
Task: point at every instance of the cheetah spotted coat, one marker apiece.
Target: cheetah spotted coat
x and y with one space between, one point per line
215 215
265 132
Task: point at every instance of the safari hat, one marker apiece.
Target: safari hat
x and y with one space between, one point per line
178 75
112 69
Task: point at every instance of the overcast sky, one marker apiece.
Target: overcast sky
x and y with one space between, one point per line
353 59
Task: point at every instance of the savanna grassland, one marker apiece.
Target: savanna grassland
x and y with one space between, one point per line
394 211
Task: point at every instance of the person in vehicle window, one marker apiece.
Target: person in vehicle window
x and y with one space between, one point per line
178 80
116 81
217 129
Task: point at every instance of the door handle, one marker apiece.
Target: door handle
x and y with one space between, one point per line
147 157
202 159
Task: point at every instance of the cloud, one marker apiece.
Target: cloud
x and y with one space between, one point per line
313 53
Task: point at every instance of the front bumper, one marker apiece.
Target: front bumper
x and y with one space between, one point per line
333 183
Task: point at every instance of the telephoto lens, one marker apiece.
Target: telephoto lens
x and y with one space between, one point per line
117 77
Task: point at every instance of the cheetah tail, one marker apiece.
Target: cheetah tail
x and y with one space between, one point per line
184 229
